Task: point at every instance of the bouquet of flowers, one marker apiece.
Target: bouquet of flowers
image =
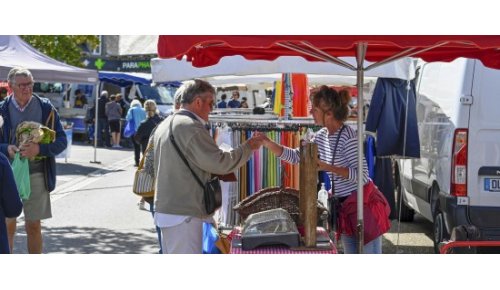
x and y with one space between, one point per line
29 131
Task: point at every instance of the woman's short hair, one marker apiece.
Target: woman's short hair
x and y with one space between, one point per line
329 99
135 103
150 108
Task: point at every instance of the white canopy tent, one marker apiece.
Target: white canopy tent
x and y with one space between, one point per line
15 52
233 70
172 69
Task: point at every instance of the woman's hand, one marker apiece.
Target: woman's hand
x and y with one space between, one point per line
256 140
274 147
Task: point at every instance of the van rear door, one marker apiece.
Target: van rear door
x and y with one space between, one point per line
483 176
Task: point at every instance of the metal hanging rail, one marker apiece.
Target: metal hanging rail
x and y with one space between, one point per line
249 119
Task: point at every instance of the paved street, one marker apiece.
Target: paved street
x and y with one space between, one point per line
95 211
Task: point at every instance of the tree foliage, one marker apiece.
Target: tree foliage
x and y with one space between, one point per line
65 48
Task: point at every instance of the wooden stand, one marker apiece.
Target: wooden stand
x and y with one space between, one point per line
308 195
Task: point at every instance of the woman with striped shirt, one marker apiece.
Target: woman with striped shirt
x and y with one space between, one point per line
338 149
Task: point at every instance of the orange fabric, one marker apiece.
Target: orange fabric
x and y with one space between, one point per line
300 95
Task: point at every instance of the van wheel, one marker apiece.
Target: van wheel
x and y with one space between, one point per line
439 231
406 213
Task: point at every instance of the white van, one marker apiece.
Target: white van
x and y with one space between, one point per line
163 95
457 179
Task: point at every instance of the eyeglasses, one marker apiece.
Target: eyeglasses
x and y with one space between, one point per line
26 85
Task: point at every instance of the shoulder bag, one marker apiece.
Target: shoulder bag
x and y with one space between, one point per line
144 181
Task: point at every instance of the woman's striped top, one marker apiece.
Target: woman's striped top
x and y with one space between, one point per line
346 156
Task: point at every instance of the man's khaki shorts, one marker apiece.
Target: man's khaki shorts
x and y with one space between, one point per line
37 207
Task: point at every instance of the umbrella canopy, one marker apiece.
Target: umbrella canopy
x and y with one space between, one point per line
206 50
15 52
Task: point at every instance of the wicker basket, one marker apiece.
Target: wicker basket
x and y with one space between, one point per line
271 198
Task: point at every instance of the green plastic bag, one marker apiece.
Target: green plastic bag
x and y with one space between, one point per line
21 170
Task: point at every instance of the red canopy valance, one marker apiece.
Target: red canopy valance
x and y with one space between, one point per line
206 50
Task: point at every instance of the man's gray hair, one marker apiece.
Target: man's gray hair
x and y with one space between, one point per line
18 71
178 95
191 89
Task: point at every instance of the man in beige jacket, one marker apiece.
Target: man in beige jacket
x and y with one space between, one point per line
179 204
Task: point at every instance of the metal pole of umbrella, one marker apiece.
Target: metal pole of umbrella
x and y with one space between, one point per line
96 117
360 56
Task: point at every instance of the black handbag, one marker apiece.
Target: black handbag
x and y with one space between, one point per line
212 193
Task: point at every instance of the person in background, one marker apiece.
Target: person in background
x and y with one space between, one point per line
21 106
3 93
10 202
123 105
234 103
244 103
90 123
114 112
80 99
222 104
136 114
179 198
142 136
335 141
142 133
146 127
102 121
149 165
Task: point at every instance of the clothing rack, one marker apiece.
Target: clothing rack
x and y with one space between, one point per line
260 119
264 168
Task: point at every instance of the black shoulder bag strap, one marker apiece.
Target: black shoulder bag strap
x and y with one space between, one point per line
172 139
334 153
334 202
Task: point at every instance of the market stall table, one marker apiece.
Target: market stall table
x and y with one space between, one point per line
327 248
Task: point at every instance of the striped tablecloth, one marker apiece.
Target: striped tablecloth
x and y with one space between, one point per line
236 235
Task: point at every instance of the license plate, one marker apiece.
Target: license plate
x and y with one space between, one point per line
492 184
